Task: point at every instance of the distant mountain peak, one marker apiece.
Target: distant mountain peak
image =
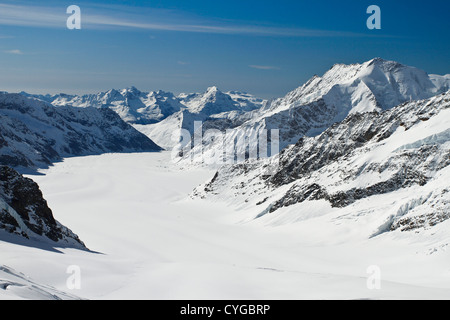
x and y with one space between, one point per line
379 60
212 89
132 88
131 91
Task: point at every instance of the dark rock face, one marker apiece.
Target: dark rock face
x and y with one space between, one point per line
24 195
338 141
344 198
24 209
416 222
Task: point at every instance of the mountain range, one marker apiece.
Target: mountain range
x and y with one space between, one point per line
375 85
368 139
156 113
380 171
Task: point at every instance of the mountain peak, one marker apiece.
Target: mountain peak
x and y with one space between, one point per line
380 62
375 61
212 89
132 90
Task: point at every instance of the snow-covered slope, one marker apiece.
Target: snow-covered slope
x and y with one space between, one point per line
15 285
381 171
213 108
34 133
247 101
25 213
167 133
441 82
345 89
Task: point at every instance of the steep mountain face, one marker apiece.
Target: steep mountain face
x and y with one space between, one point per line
24 212
375 85
213 108
389 167
34 133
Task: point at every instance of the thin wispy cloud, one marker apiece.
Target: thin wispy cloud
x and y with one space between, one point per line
95 18
263 67
31 16
14 51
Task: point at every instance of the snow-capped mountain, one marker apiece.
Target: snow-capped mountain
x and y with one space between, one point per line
137 107
441 82
158 114
34 133
345 89
132 105
213 101
213 108
378 171
25 213
247 101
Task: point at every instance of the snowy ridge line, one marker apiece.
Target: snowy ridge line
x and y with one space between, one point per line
373 86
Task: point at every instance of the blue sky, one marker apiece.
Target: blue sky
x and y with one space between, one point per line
263 47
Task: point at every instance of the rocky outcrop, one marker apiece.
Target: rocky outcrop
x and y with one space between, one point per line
24 211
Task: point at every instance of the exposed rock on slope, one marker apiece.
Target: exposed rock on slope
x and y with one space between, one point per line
401 155
24 212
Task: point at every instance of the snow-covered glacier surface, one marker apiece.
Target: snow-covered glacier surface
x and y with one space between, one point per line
150 241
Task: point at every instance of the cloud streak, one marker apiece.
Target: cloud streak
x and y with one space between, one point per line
106 18
14 51
263 67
